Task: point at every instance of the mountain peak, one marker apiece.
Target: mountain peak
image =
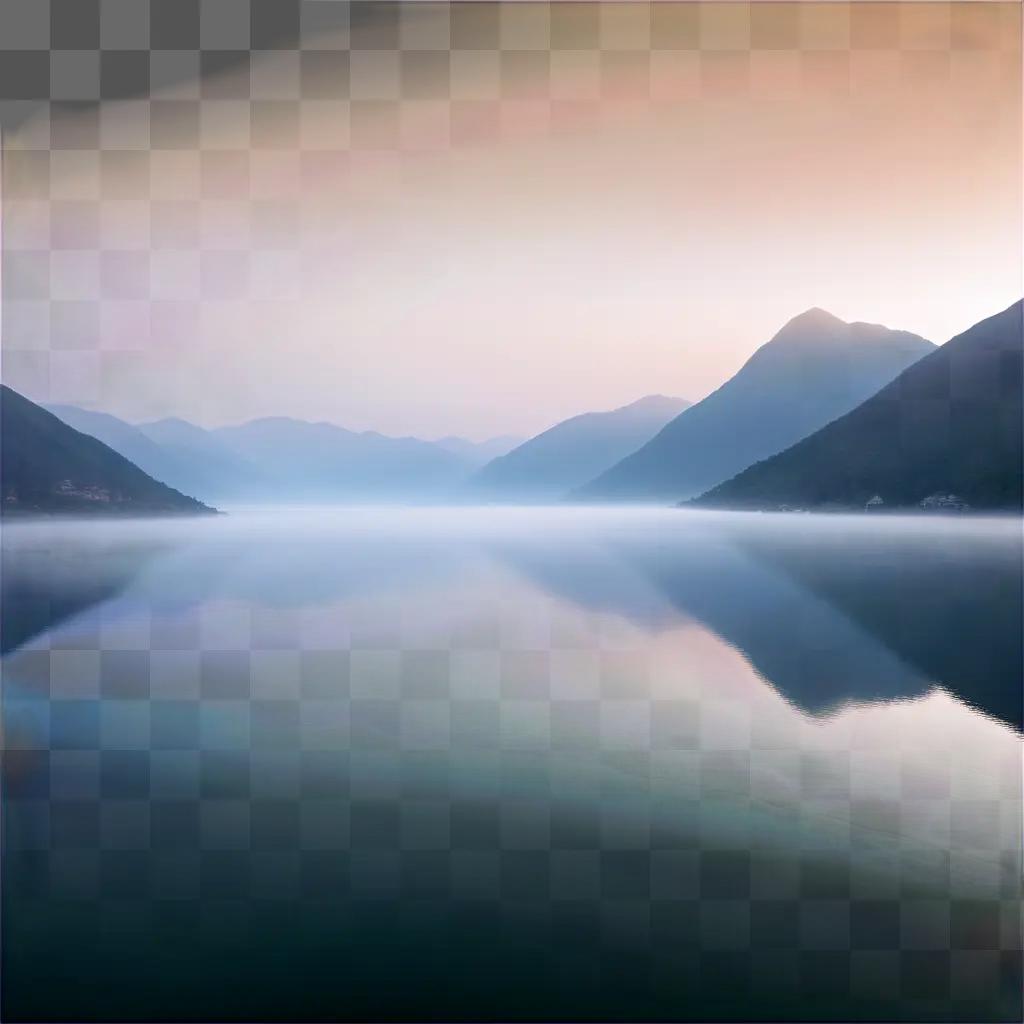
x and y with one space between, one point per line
863 458
170 421
573 451
815 318
815 369
656 404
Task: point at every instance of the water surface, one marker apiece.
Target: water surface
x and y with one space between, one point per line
512 764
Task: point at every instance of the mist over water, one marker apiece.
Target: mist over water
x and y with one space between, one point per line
352 763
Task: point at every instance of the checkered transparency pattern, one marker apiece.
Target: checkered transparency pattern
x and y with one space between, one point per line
204 772
158 153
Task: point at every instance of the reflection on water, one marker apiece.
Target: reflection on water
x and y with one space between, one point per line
514 764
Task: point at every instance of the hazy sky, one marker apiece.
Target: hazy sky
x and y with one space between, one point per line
478 241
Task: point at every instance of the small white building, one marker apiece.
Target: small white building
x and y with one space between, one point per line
944 503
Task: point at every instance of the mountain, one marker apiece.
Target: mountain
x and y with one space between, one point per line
323 462
479 453
814 370
831 614
45 584
277 458
217 471
175 452
126 440
573 451
46 466
950 424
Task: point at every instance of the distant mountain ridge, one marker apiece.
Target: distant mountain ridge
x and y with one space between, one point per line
212 466
174 452
816 368
572 452
282 458
277 458
950 423
941 426
324 462
47 466
479 453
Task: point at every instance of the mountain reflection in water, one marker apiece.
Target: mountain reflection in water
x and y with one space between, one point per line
527 764
830 610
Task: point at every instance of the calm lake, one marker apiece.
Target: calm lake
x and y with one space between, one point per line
512 764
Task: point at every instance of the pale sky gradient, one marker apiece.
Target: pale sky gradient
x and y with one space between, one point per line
510 262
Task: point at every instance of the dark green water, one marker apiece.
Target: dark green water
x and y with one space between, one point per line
512 765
